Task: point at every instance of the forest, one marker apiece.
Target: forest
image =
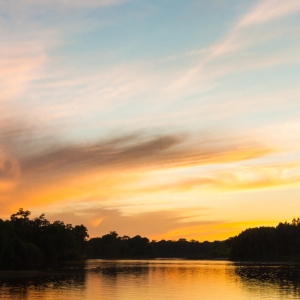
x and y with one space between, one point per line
32 244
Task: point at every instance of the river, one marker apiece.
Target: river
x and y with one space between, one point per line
155 279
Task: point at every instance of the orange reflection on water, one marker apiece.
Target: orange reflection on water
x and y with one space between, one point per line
164 279
156 279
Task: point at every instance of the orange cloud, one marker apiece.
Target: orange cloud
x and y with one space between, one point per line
252 177
233 179
115 168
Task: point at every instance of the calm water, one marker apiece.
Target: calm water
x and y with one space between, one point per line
156 279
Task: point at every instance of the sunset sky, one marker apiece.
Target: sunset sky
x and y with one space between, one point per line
164 118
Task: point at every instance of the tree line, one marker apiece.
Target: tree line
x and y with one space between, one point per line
114 246
39 244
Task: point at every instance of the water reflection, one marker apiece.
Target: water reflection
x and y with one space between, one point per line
283 277
159 279
114 268
24 285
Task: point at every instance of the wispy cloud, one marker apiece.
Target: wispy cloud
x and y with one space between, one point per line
232 179
247 178
87 93
266 11
269 10
234 52
137 151
16 71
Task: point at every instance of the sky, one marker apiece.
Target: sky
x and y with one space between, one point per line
165 118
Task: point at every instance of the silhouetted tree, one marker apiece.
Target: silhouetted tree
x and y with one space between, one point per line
37 243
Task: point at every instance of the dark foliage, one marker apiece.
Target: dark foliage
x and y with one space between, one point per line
281 243
38 244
